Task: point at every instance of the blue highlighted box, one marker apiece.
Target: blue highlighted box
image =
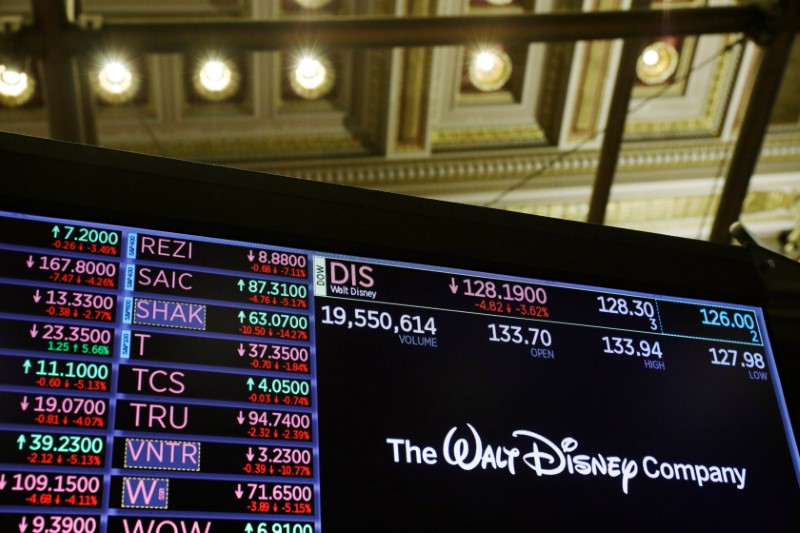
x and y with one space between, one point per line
127 310
130 277
133 239
125 345
145 493
159 454
169 314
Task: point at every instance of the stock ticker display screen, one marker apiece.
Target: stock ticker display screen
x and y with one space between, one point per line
155 382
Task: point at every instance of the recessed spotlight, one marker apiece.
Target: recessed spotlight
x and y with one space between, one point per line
16 87
650 57
216 79
313 77
489 69
116 83
486 61
657 62
310 73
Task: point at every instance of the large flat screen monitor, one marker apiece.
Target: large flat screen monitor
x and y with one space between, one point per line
186 348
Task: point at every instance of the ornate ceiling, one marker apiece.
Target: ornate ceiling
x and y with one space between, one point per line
574 116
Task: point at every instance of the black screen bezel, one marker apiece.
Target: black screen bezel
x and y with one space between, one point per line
57 179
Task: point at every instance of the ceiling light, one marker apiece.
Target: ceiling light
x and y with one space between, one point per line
312 78
310 73
489 69
116 83
486 61
650 57
657 63
16 87
216 79
115 77
312 4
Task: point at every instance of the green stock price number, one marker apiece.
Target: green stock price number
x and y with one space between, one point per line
43 442
66 369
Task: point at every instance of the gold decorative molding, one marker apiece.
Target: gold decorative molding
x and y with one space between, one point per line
228 148
150 10
758 201
629 211
542 162
445 139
